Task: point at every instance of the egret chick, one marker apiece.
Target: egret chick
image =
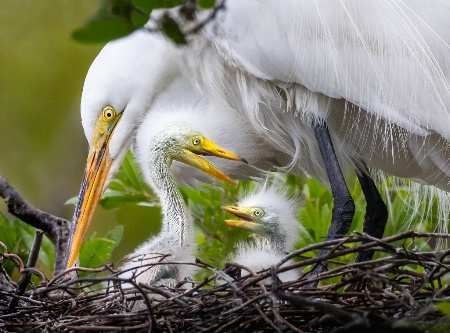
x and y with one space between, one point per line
270 214
156 147
222 126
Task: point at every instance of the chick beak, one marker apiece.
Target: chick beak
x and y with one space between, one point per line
208 148
247 221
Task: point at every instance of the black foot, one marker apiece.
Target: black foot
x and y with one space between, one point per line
344 207
376 213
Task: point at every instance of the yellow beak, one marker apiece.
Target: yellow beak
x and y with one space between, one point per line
247 220
208 148
97 168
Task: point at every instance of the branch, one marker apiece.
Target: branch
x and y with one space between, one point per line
26 275
56 228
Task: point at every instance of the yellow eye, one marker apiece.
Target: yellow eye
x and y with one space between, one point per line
258 212
196 141
108 113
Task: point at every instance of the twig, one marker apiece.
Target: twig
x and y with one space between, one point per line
55 227
26 276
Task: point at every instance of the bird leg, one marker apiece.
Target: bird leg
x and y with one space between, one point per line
376 212
344 207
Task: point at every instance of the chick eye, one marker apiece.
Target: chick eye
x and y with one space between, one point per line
108 113
196 141
258 213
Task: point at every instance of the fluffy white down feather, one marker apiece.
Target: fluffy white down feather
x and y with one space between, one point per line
259 259
264 251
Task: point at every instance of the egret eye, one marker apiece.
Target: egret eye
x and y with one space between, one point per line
258 212
196 141
108 113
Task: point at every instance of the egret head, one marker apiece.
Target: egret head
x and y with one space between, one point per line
177 140
270 213
118 90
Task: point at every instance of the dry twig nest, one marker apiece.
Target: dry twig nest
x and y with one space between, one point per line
382 295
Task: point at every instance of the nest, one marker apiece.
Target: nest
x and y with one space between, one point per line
382 295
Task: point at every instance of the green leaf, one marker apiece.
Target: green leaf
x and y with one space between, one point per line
19 237
112 20
96 251
72 201
114 199
116 186
103 30
138 18
115 234
146 6
156 4
172 30
444 307
130 173
206 4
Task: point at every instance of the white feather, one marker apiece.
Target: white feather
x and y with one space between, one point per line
377 71
223 126
280 210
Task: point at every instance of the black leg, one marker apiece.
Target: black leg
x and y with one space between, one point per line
344 207
376 213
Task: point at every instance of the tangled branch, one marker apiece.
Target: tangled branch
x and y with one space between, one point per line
379 295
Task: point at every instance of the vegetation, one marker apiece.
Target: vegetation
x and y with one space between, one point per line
116 18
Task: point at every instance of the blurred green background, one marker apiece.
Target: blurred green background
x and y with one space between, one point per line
42 144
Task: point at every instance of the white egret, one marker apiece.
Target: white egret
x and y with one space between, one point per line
156 147
221 125
367 77
270 214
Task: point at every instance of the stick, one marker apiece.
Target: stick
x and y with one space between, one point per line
26 276
55 227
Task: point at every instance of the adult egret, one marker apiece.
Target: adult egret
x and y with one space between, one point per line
337 85
368 77
157 145
270 214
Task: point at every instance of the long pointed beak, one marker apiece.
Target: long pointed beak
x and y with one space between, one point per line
97 168
209 148
238 212
203 165
246 222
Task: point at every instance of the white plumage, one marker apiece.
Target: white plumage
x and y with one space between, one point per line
375 71
275 232
176 238
223 126
156 148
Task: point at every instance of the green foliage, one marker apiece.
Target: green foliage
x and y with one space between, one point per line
114 19
444 325
148 5
97 251
216 241
118 18
171 29
127 188
206 4
444 307
18 238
